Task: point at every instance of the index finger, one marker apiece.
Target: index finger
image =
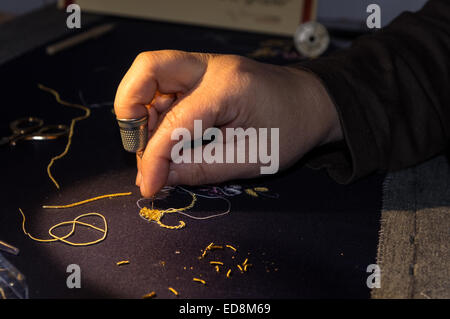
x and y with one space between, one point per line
167 71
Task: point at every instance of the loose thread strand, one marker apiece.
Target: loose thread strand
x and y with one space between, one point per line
87 200
71 128
73 222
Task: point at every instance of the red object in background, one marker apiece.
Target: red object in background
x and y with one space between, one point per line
65 3
308 6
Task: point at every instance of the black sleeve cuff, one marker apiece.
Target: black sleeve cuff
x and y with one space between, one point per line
357 155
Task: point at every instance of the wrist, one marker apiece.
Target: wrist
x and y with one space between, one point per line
323 117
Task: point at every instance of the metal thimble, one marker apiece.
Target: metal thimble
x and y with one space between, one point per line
134 134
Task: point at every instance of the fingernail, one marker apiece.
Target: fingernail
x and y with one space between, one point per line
143 187
138 179
172 179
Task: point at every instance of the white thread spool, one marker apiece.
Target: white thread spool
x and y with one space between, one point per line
311 39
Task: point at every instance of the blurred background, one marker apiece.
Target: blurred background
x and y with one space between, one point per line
328 10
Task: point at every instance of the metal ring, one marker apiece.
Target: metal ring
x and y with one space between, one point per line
132 123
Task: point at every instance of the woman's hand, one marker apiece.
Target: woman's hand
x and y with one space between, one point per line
225 91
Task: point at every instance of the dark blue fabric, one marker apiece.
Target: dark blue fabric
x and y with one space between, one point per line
315 241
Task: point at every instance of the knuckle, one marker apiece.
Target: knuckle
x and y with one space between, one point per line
171 53
160 54
237 69
233 63
242 70
143 57
155 60
237 78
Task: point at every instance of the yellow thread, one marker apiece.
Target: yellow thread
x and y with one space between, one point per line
7 245
261 189
209 246
240 268
215 247
216 263
2 293
231 247
149 295
206 250
123 262
251 192
246 266
73 222
199 280
87 200
156 215
173 291
228 273
245 261
217 268
71 128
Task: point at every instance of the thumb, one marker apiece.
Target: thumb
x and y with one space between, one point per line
156 159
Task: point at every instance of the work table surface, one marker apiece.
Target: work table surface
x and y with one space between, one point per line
314 241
